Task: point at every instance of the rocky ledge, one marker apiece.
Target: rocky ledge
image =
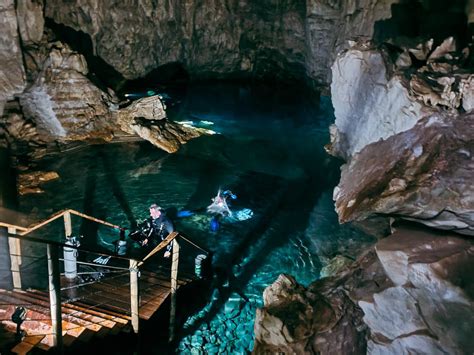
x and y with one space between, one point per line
412 293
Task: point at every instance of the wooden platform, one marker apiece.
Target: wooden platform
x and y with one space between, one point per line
92 310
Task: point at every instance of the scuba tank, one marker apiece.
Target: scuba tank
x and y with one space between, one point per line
70 257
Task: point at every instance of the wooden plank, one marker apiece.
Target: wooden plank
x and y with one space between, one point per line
55 295
134 301
160 246
174 287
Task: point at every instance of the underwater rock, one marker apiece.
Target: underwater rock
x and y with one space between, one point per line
30 182
335 265
424 175
413 291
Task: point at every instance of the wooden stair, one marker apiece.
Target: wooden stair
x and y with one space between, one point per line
80 325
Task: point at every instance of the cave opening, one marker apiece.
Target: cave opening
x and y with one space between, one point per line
101 73
435 19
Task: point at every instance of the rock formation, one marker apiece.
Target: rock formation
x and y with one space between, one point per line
411 294
12 73
408 143
293 39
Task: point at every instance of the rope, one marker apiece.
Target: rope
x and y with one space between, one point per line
194 244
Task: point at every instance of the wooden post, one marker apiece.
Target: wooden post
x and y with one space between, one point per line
174 287
55 295
134 301
15 259
67 224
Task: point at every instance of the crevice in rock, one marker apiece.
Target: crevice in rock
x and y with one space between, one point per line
102 74
171 76
437 19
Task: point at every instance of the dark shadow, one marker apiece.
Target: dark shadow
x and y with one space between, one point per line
437 19
89 228
101 73
117 190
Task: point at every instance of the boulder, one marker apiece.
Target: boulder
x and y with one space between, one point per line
413 293
423 174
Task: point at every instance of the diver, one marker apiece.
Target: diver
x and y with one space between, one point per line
219 208
154 229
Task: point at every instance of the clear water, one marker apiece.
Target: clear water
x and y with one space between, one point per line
269 151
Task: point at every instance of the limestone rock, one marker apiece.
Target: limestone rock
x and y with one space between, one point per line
467 88
30 21
64 103
208 38
12 73
423 174
147 118
335 265
369 104
212 39
329 26
422 304
65 106
377 94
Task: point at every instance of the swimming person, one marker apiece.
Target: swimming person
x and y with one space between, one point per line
219 208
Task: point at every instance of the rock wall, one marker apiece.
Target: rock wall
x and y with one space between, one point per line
207 37
12 72
396 299
214 38
401 123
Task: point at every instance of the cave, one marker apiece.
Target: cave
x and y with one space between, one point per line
237 177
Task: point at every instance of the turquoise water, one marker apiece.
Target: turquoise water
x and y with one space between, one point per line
269 151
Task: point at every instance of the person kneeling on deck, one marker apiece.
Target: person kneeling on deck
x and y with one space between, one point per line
154 229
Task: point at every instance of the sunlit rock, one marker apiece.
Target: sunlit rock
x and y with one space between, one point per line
147 118
12 72
413 293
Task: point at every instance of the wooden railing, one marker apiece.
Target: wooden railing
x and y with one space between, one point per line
53 269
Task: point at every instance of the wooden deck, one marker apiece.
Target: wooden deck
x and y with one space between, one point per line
89 311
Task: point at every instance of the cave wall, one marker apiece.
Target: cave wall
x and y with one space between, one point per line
296 39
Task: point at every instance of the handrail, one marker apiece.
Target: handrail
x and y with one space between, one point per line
192 243
94 219
160 246
29 229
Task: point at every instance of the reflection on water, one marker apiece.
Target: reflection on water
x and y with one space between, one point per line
269 152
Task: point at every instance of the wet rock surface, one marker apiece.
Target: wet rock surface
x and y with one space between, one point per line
412 293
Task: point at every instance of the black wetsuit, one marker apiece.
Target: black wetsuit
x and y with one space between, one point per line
160 227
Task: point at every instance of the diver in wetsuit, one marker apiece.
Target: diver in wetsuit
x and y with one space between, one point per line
219 208
154 229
